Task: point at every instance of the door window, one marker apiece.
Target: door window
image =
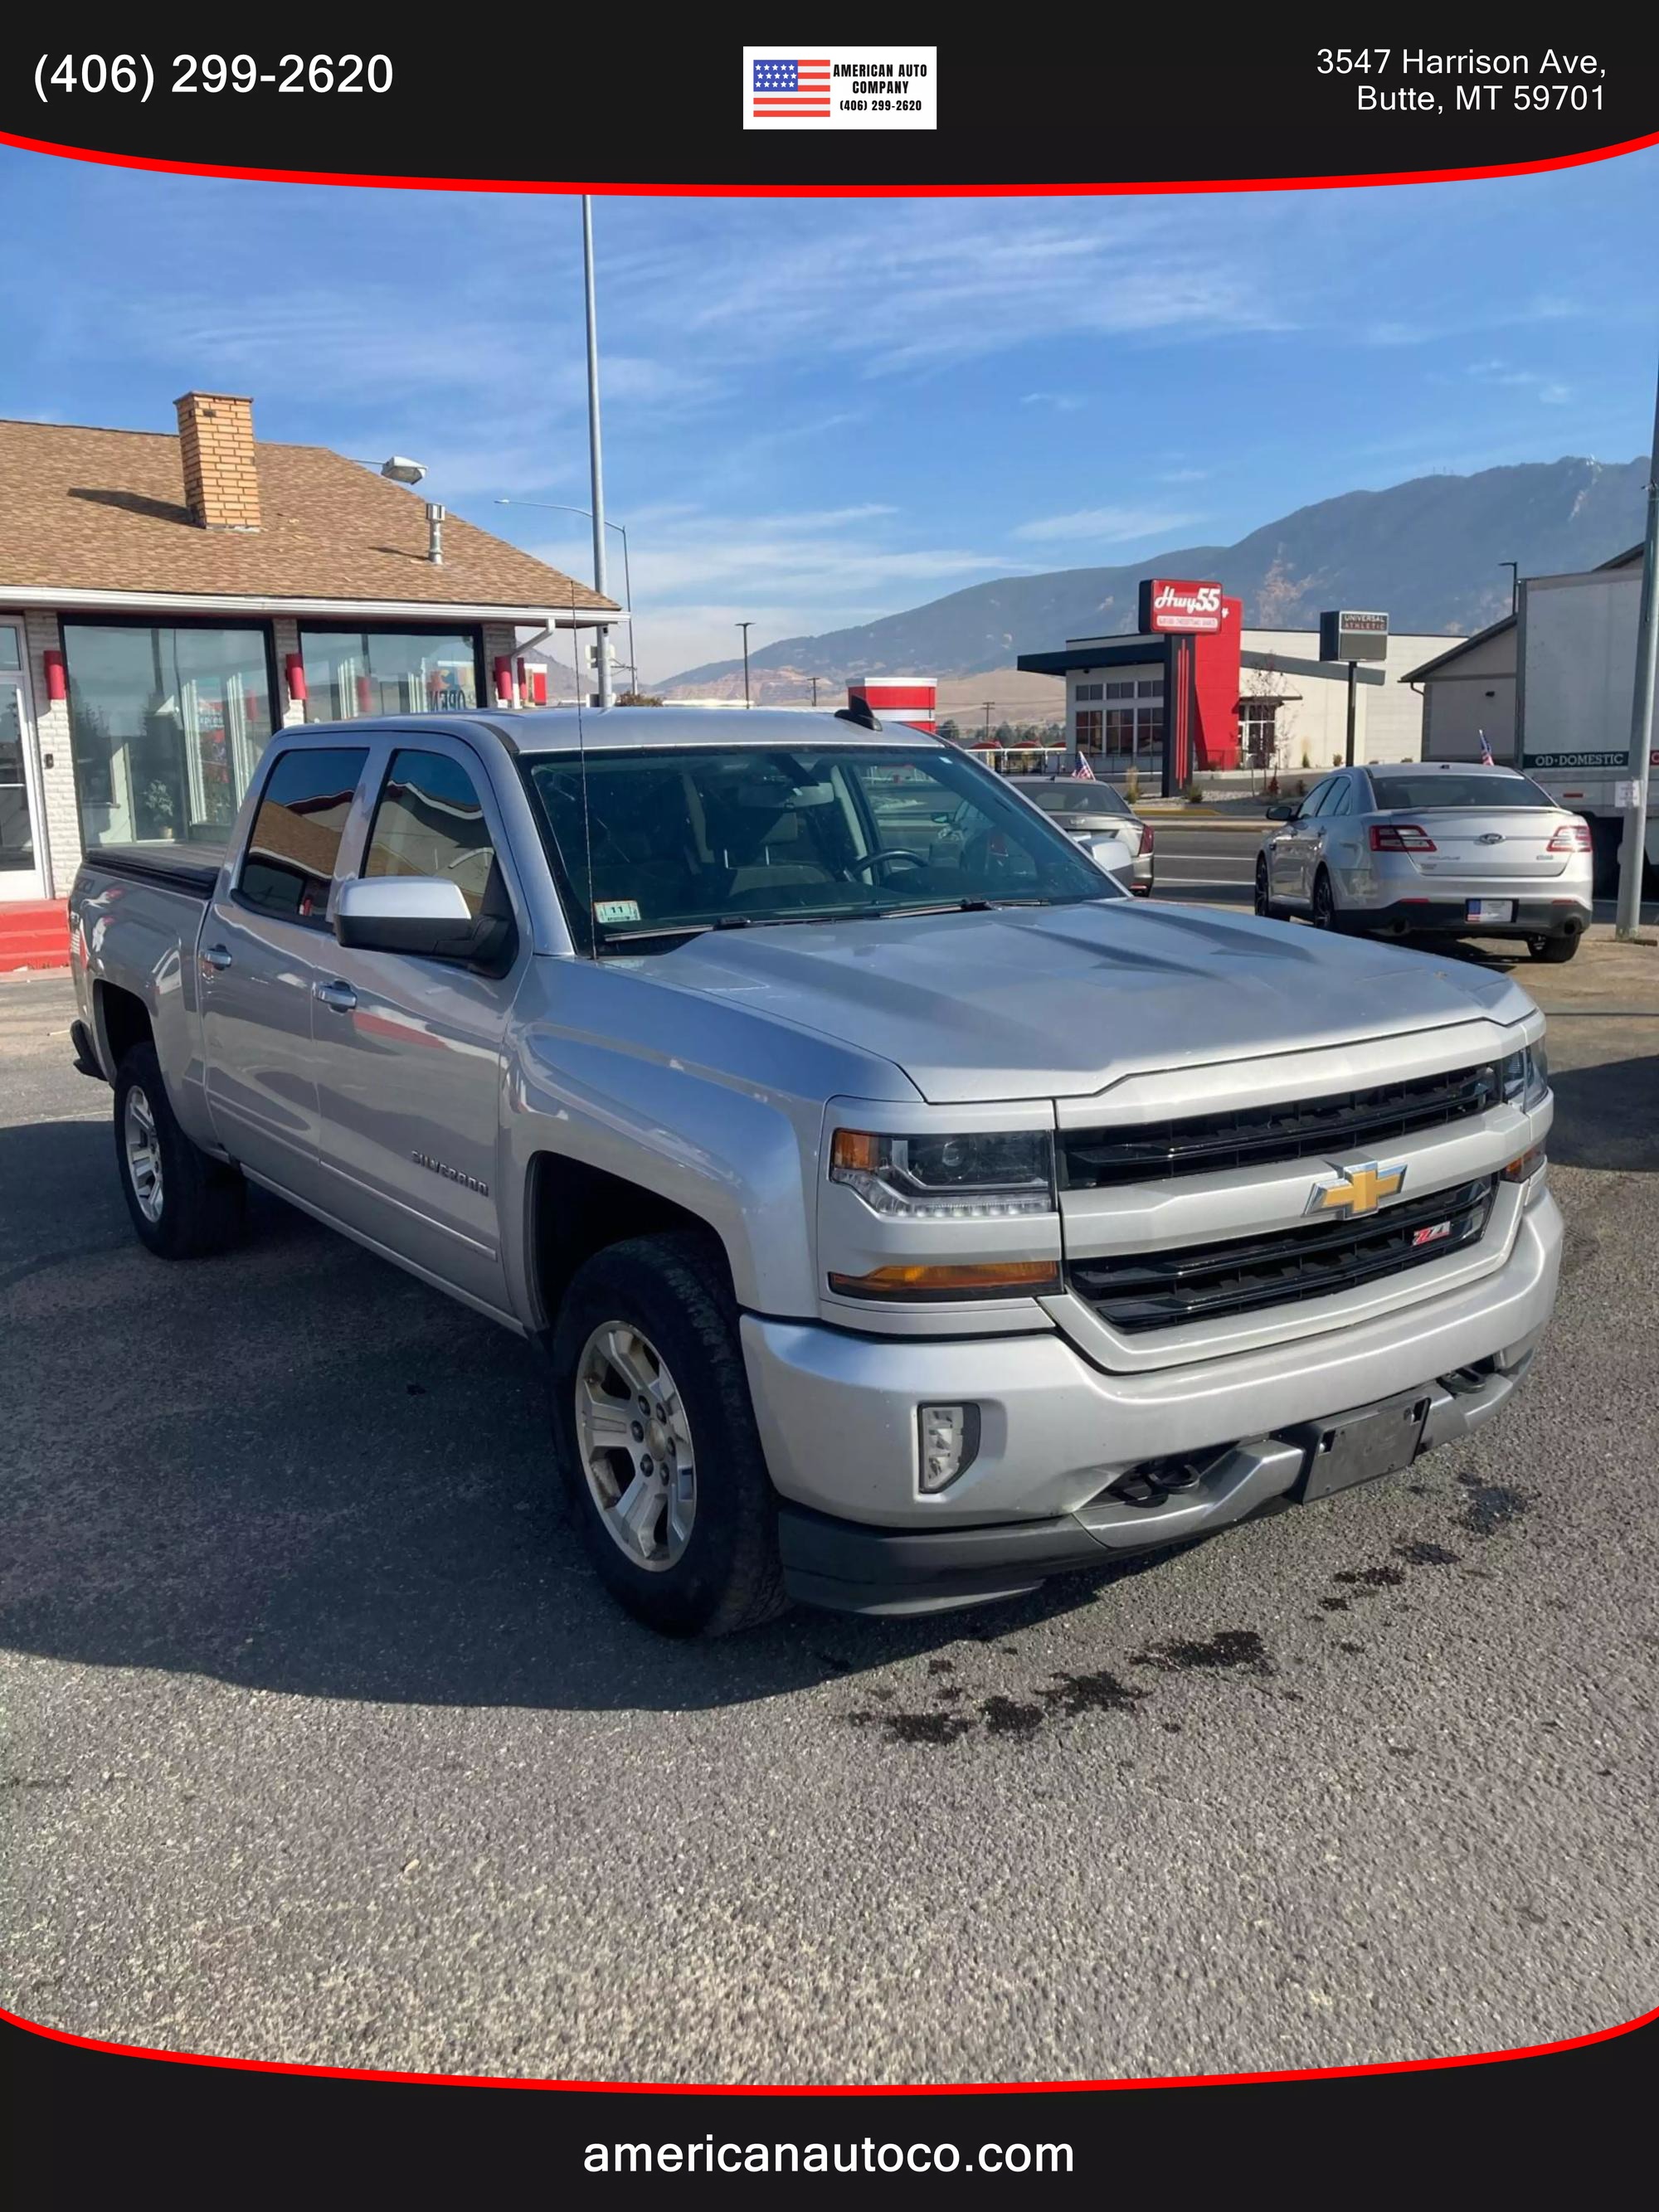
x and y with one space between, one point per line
429 822
295 838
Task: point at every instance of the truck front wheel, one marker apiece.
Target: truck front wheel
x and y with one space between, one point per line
184 1203
656 1438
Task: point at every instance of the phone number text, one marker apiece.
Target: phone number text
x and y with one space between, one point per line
135 76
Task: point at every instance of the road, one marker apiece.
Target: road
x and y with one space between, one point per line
322 1744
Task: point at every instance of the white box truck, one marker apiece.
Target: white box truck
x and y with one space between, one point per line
1575 685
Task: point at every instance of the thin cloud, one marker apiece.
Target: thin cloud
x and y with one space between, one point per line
1104 525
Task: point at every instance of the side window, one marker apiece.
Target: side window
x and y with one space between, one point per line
429 822
295 838
1339 798
1314 800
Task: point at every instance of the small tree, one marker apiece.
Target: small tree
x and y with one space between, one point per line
1269 716
638 699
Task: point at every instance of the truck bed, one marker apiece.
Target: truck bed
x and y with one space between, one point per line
193 869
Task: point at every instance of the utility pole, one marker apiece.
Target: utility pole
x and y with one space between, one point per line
815 689
602 649
1514 568
1634 850
744 628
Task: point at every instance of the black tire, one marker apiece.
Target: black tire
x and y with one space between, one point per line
673 1289
1264 905
202 1203
1553 950
1324 914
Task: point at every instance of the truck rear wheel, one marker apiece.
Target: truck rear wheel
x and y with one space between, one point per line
657 1441
183 1202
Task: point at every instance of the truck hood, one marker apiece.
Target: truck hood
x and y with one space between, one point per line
1059 1001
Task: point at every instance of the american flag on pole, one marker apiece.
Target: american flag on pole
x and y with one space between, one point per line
1485 751
790 89
1083 769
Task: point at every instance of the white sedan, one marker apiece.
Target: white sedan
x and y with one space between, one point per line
1448 847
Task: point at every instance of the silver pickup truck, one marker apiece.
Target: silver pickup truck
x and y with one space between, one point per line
908 1212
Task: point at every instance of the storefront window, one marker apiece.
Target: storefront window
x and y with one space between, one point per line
168 724
379 671
1088 729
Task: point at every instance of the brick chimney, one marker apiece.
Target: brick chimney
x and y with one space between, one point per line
216 444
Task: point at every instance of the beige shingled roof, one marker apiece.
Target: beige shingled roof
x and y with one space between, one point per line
104 510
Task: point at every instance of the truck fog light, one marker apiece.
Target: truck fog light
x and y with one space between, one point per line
950 1442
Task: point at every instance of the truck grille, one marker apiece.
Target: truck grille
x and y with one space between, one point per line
1163 1289
1249 1136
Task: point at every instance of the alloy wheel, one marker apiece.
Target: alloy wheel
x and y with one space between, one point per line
144 1150
636 1445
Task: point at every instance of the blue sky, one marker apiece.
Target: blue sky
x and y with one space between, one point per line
818 413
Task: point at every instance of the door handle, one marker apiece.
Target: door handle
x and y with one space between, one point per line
216 956
340 996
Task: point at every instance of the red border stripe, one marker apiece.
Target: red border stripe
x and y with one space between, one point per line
669 190
835 2089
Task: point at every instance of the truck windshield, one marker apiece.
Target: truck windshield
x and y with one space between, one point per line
665 842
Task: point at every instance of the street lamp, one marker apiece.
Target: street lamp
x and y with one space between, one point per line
401 470
558 507
744 628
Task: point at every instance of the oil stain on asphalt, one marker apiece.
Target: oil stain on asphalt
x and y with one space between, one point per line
1487 1507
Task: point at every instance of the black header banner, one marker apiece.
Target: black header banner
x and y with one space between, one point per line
616 107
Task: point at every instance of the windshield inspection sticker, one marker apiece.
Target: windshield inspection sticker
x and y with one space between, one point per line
614 910
840 89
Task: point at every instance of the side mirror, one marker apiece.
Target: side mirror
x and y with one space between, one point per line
1281 811
425 914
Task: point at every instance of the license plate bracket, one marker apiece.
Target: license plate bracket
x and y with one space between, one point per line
1362 1447
1490 909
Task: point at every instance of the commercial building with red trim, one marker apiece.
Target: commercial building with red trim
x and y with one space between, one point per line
1193 692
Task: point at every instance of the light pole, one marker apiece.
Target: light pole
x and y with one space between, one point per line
602 650
558 507
744 628
1632 852
1514 568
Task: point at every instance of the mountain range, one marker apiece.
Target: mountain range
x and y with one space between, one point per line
1428 552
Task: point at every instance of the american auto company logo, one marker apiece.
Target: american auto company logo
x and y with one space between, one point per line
1352 1191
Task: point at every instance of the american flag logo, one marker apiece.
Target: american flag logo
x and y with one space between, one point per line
1083 768
789 89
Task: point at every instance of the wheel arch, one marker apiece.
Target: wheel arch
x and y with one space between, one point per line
574 1210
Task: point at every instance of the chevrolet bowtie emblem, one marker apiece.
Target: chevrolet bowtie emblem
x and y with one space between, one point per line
1357 1190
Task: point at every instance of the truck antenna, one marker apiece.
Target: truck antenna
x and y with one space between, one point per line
581 756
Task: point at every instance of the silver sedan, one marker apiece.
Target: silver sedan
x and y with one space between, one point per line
1448 846
1097 816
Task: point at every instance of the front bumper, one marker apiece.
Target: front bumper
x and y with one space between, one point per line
837 1414
850 1568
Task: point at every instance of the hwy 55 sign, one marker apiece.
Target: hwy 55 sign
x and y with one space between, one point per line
1173 602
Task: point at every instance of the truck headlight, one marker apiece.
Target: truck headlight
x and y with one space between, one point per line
994 1175
1526 1077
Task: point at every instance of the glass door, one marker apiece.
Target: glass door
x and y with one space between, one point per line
22 872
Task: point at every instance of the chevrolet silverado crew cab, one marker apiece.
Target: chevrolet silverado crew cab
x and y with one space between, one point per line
907 1212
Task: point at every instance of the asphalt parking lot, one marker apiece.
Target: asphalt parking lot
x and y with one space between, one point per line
321 1743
